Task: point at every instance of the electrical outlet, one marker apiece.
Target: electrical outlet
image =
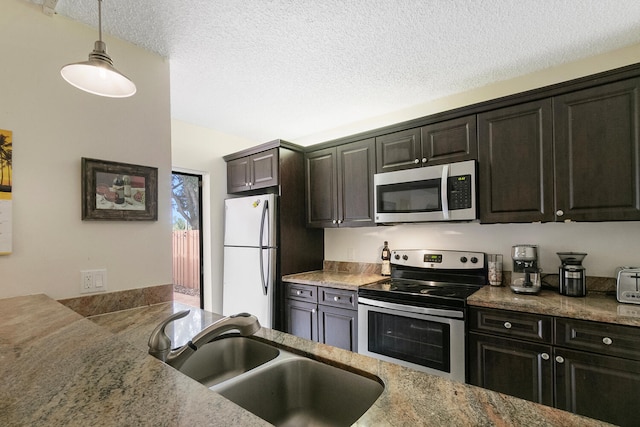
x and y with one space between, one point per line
93 281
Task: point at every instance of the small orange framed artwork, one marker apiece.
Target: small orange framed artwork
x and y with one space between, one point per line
6 184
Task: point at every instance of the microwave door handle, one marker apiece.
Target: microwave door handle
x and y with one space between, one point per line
444 191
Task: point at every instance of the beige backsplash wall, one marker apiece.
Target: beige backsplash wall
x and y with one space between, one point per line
608 244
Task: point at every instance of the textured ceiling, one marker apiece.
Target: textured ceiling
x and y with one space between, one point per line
267 69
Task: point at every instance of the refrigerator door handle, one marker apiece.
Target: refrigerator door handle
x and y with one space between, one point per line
265 284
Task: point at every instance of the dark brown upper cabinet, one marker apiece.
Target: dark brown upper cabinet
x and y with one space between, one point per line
253 172
516 163
571 157
597 148
443 142
449 141
339 185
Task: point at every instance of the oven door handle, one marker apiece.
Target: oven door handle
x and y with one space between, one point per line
454 314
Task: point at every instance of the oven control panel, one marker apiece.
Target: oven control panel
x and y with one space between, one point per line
438 259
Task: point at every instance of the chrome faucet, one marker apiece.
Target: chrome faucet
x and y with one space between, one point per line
160 344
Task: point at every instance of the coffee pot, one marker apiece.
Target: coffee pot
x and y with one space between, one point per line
525 278
572 274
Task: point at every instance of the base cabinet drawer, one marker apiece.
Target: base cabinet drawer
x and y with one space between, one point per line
607 339
301 292
532 327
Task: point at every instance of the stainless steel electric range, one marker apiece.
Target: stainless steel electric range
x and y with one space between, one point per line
416 318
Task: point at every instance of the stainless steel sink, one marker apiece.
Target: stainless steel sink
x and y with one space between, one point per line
296 391
279 386
227 358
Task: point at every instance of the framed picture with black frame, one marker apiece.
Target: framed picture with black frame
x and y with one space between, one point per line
113 191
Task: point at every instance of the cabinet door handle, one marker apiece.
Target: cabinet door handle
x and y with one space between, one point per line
607 341
334 221
313 310
339 221
336 298
560 212
416 161
559 359
507 325
424 160
545 356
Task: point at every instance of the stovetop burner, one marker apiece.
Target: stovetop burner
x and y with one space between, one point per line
419 292
430 278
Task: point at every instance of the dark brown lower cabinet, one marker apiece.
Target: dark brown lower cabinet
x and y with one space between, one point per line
579 369
512 367
301 319
600 387
338 327
325 315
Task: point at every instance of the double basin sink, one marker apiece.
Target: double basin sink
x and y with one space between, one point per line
281 387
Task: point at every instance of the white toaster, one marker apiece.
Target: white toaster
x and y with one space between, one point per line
628 285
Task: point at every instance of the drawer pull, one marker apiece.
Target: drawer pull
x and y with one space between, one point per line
507 325
544 356
336 299
298 292
559 359
607 340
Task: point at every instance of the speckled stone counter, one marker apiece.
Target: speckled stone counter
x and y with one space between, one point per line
340 275
61 369
410 398
333 279
598 307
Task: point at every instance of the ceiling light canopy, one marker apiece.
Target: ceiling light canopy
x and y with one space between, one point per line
97 75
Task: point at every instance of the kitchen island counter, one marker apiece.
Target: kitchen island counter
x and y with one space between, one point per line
61 369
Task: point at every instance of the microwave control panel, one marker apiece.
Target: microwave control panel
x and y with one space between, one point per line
459 192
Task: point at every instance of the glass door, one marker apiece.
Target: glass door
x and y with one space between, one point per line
186 213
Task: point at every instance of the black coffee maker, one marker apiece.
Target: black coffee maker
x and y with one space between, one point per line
573 279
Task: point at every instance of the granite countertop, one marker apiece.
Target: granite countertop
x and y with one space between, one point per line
334 279
598 307
59 368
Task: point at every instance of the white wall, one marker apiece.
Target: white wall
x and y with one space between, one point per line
199 150
54 125
608 244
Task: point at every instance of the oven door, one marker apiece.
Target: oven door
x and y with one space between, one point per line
410 336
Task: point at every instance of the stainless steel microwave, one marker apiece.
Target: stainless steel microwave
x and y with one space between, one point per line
431 193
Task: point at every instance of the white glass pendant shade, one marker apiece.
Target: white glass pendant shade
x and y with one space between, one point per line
97 75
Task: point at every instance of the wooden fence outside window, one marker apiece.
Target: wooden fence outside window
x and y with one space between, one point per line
186 258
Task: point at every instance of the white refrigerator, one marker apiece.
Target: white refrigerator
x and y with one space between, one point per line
250 256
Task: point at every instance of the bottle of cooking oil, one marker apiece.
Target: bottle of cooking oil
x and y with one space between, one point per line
386 260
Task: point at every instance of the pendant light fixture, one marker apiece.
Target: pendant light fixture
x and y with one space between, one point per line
97 75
